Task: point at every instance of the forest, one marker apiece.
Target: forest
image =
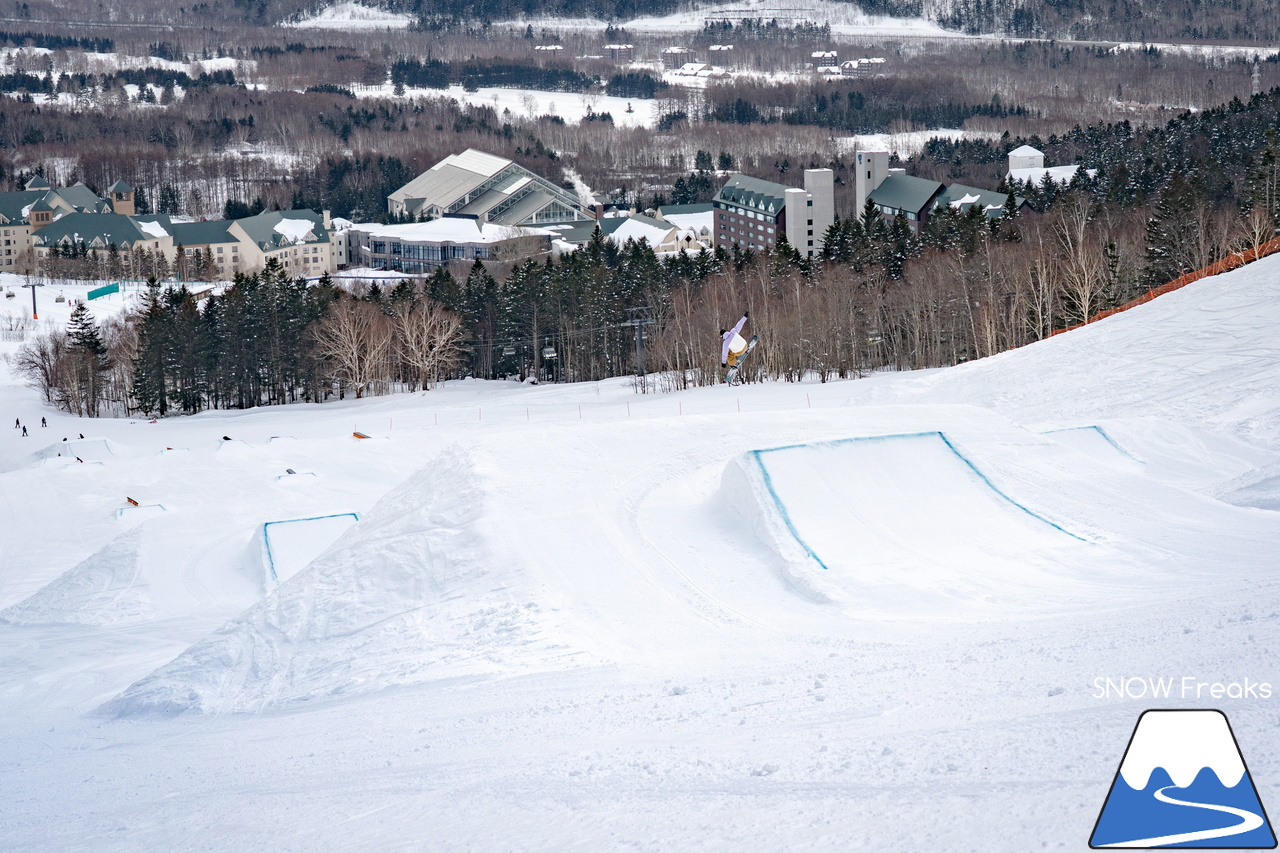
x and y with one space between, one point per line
336 120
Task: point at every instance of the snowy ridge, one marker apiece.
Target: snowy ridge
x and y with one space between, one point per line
405 597
1183 743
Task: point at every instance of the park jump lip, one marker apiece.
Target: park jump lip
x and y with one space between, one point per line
780 505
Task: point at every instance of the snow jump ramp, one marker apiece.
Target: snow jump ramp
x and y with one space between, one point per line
893 519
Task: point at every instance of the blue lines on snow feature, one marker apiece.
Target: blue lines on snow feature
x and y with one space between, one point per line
780 505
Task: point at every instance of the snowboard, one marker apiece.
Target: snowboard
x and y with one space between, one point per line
732 373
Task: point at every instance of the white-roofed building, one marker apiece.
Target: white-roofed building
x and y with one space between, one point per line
421 247
673 57
488 188
1026 165
827 59
665 238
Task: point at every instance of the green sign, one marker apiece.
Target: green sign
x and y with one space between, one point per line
104 291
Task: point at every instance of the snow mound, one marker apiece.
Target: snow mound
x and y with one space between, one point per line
1259 488
414 594
1094 441
103 589
88 449
895 518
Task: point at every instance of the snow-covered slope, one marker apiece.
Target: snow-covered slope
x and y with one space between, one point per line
574 617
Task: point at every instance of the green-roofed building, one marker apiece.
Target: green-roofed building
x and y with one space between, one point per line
904 195
961 198
751 213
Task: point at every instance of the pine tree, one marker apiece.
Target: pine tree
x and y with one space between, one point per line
89 363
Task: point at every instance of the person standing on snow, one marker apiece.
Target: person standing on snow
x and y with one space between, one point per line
734 344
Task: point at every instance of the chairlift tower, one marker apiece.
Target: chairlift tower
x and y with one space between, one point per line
639 318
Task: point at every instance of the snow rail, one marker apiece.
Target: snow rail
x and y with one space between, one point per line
1230 262
791 527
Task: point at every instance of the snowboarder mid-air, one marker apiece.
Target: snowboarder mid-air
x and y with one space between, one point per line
735 347
734 344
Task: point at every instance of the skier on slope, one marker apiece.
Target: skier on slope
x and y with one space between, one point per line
734 344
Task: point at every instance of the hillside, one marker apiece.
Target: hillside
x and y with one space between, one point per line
785 616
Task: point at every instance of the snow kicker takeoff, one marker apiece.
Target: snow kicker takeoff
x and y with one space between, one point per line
735 348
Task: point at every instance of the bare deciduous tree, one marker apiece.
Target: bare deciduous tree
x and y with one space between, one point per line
428 339
355 340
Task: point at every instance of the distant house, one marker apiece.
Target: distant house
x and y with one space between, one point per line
298 239
824 59
861 67
620 52
100 235
1026 165
721 54
895 193
700 69
488 188
701 218
548 49
674 57
420 247
751 212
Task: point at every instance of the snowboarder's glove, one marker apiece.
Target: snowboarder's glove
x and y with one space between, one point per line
746 313
724 364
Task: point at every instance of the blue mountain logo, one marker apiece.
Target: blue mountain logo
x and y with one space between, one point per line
1183 783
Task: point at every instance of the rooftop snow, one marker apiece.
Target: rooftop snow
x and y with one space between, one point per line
152 229
294 230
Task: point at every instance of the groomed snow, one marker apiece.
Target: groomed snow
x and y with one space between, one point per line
569 617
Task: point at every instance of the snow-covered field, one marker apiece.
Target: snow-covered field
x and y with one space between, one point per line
844 18
353 16
907 143
532 103
862 615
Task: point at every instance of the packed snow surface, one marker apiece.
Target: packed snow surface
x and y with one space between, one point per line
869 614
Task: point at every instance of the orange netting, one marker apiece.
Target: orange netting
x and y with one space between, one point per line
1230 262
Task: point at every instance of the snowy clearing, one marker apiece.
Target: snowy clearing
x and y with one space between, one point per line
353 16
532 103
844 18
852 615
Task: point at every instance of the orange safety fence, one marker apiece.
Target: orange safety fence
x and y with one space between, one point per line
1230 262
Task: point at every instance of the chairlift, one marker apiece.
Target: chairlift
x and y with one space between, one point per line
548 352
9 294
508 350
60 298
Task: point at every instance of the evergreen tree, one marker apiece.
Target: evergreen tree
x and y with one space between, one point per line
89 364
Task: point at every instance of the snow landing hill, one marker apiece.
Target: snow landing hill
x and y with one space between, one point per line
853 615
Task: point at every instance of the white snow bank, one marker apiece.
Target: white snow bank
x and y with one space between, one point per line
103 589
413 595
